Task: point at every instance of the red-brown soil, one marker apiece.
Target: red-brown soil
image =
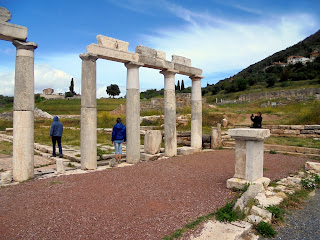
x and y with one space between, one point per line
144 201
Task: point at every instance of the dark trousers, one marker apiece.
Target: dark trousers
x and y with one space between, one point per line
54 140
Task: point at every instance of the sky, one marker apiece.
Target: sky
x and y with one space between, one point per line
220 37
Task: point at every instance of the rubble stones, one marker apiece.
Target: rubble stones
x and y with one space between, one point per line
6 177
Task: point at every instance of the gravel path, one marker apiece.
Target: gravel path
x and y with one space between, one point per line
302 224
144 201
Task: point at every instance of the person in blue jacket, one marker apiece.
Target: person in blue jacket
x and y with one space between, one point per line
56 135
119 136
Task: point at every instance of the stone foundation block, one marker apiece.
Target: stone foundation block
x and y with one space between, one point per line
241 183
187 150
112 43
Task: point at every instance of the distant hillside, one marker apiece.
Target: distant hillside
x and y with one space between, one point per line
265 74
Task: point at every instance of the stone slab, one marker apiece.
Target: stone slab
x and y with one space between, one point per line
187 150
250 134
112 43
152 141
181 60
155 63
186 70
312 127
241 183
5 15
153 53
112 54
223 231
10 32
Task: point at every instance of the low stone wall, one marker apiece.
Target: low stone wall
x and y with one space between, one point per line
304 131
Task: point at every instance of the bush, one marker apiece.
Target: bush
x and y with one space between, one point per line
227 214
277 213
265 229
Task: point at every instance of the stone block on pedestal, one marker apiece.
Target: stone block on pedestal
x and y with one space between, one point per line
152 141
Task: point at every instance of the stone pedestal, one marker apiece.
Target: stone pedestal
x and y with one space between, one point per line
196 113
170 134
216 136
152 141
23 118
249 156
133 112
88 112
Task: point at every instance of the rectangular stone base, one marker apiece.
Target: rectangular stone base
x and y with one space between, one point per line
241 183
187 150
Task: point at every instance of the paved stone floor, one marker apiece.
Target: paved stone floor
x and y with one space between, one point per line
302 224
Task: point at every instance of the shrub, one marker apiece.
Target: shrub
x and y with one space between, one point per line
227 214
273 152
277 213
265 229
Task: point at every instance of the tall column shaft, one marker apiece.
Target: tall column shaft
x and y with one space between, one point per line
133 112
23 107
170 132
196 113
88 112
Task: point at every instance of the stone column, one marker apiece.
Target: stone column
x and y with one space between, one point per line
248 156
170 133
23 118
196 112
133 112
88 112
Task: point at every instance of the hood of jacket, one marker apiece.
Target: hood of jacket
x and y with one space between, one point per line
119 126
55 119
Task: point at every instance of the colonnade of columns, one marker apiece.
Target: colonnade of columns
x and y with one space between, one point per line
23 112
89 112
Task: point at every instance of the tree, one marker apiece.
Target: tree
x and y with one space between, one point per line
113 90
71 88
271 80
178 86
182 85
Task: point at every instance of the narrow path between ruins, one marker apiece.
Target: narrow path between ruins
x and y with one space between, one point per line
144 201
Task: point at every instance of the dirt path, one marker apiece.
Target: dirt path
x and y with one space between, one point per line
144 201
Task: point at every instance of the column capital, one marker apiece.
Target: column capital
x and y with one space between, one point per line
88 56
169 72
24 45
133 65
196 77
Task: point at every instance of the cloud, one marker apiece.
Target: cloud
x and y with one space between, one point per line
220 45
7 83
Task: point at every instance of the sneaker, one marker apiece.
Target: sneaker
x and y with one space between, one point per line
60 156
53 156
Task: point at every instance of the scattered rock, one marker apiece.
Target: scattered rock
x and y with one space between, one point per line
312 166
113 163
38 113
6 177
265 214
264 202
254 219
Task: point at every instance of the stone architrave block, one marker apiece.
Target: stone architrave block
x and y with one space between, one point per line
60 166
181 60
112 43
5 15
10 32
186 70
152 141
146 51
112 54
155 63
6 177
161 54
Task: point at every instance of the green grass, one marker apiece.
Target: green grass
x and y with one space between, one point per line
5 124
5 148
277 213
265 230
293 141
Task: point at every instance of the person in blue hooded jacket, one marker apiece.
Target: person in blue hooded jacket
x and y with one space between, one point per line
119 136
56 135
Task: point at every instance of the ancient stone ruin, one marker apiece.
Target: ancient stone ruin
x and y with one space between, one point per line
23 115
117 50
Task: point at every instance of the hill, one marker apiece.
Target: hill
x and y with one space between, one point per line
268 72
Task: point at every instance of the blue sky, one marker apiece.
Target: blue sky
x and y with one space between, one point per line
221 37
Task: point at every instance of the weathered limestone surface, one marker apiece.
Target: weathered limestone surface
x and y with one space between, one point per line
112 43
24 76
187 150
88 80
265 214
6 177
186 70
145 51
249 133
133 112
60 166
170 132
216 136
152 141
196 113
156 63
241 183
5 15
23 139
312 166
10 32
88 138
248 195
112 54
240 164
181 60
